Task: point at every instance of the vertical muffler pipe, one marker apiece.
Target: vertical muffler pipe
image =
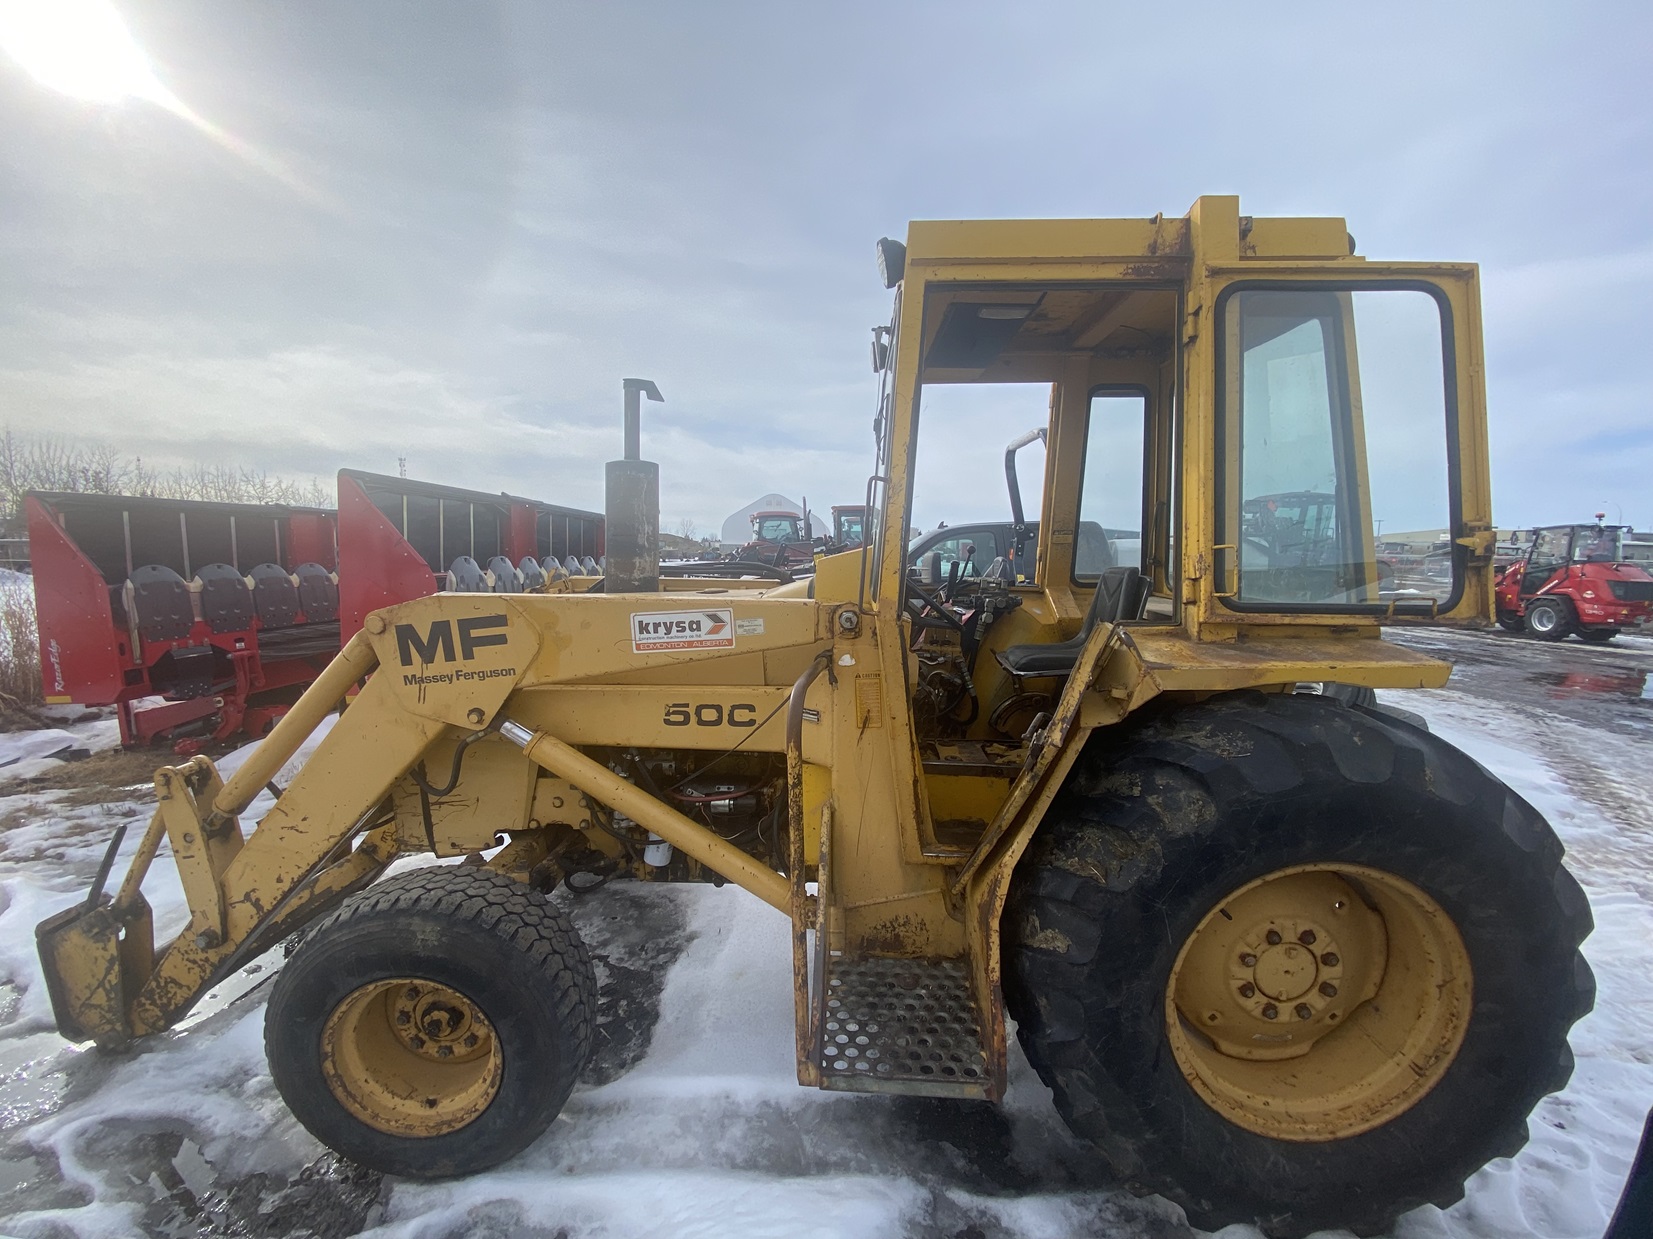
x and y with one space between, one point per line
631 507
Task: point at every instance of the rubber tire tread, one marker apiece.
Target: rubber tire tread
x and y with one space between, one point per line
1160 820
500 942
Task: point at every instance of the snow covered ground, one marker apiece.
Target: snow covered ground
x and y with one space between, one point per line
688 1122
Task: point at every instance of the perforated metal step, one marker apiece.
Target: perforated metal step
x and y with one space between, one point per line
901 1026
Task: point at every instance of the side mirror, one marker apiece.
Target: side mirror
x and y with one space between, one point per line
929 571
892 261
880 349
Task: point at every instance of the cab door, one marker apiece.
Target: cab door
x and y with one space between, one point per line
1344 470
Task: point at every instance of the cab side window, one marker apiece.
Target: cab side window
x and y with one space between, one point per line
1110 494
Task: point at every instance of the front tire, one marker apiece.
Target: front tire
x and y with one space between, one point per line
1598 636
1254 815
1509 621
1550 619
433 1025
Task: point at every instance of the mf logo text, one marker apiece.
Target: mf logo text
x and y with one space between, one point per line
475 633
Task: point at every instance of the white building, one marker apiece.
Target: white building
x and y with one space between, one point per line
737 530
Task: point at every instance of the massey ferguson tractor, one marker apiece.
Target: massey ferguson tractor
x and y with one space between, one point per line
1279 958
1576 579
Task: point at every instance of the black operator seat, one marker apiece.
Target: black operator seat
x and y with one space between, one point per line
226 600
1121 593
160 599
318 593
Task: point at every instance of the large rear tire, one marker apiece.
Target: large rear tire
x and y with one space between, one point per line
1218 886
433 1025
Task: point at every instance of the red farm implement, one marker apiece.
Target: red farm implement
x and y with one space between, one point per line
199 620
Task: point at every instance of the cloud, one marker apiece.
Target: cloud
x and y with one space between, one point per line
531 202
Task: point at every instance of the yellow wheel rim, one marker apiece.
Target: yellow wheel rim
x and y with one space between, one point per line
410 1057
1319 1002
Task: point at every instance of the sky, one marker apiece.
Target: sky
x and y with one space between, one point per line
314 236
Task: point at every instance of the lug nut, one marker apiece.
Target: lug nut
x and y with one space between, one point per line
1304 1011
470 1041
1306 937
417 1042
1248 960
1328 989
1270 1011
1248 990
1330 959
1273 936
446 1051
402 1017
411 993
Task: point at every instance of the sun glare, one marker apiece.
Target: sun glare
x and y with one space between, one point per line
82 48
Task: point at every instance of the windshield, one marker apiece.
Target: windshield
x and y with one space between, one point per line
775 528
849 528
1598 544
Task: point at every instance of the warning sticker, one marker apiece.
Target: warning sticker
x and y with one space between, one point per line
682 630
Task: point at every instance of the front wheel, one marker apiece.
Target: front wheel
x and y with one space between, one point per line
1598 636
1289 963
434 1024
1509 621
1549 619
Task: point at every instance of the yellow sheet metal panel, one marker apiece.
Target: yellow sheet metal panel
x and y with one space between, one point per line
1279 237
495 788
978 240
650 716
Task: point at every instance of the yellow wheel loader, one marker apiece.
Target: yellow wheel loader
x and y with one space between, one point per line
1279 953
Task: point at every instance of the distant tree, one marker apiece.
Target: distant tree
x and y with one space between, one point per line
45 462
687 529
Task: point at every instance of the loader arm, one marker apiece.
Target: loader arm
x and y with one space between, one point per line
107 981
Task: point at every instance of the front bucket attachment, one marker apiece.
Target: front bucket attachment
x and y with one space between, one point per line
86 954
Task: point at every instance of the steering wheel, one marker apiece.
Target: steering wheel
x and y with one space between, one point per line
918 603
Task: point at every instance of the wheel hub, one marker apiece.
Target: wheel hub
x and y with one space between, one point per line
411 1057
1262 996
1295 957
436 1022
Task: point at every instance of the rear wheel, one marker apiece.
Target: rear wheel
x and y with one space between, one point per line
1550 619
1509 621
434 1024
1290 963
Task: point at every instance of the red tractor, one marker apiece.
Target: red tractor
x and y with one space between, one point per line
780 540
1575 579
